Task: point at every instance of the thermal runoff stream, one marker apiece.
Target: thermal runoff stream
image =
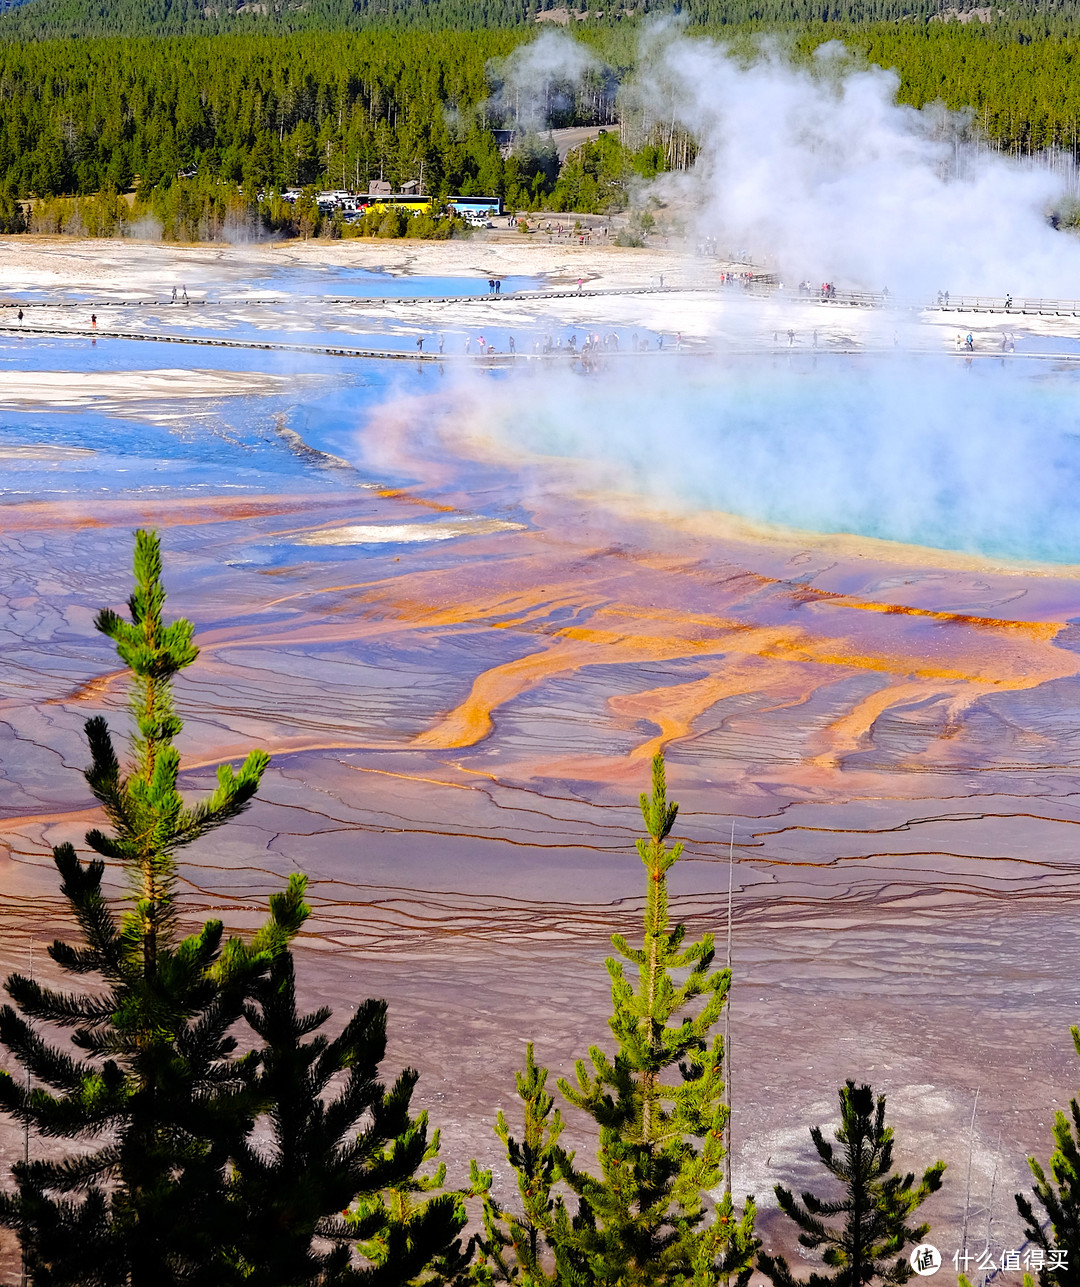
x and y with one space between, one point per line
823 557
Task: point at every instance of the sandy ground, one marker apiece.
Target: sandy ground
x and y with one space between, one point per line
162 395
44 263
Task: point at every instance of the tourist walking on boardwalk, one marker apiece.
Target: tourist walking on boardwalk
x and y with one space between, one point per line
442 341
498 285
93 320
790 338
491 285
513 347
173 300
20 314
579 285
419 344
468 344
184 289
969 343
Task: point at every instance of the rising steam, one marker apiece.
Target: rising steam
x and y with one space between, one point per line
927 451
818 168
537 85
823 170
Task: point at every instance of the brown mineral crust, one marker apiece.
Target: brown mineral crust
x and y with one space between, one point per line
460 731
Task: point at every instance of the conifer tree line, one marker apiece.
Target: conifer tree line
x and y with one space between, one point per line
49 19
204 132
217 1135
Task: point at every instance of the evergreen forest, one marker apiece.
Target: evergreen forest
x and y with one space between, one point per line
49 19
200 127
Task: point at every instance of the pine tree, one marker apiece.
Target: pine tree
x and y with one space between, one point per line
659 1105
150 1088
512 1246
1059 1196
343 1158
869 1242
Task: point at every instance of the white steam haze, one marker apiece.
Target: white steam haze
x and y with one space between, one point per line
537 80
983 459
819 168
823 170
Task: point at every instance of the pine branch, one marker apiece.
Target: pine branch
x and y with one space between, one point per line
65 1009
234 793
103 775
81 886
69 1174
46 1065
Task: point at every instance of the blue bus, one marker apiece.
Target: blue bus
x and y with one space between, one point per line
476 205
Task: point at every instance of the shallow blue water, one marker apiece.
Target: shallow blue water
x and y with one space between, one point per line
139 457
981 457
228 444
300 282
367 284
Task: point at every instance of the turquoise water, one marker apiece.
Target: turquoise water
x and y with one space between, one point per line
335 281
981 457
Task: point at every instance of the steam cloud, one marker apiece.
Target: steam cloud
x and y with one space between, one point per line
819 168
927 451
536 84
825 171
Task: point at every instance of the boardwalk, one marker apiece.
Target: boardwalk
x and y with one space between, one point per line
757 287
595 359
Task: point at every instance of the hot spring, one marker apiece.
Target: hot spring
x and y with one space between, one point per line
980 457
461 605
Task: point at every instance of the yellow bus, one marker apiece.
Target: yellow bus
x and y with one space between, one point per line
414 205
